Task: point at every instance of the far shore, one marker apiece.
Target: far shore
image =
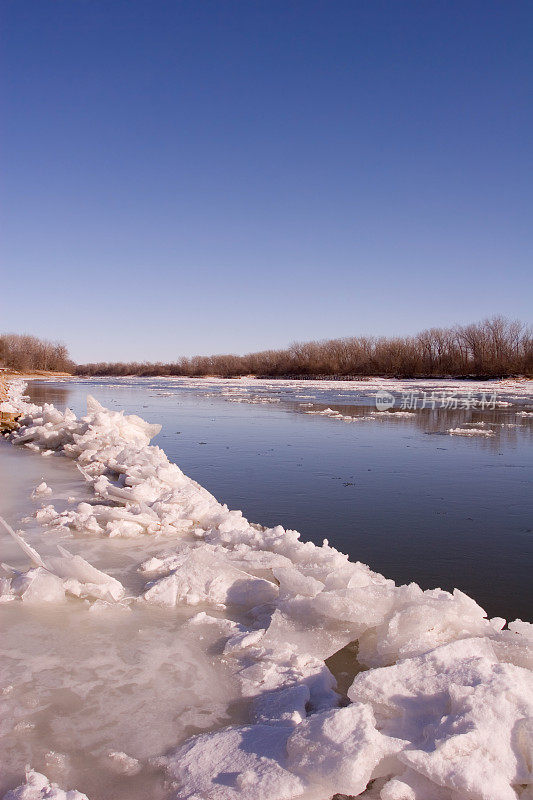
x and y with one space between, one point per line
33 374
310 377
42 374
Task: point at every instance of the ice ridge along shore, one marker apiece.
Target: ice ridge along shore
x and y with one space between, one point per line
441 703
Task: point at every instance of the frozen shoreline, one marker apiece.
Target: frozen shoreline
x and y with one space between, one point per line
439 670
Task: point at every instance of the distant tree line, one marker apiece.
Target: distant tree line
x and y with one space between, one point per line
28 353
496 347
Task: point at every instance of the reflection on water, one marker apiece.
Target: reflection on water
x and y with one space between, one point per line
397 492
490 426
55 393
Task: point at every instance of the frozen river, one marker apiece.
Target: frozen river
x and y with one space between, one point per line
93 694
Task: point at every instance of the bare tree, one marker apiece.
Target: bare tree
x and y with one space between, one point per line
26 353
494 347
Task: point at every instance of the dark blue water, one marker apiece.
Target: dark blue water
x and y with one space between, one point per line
399 494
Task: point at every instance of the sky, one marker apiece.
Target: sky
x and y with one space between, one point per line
188 177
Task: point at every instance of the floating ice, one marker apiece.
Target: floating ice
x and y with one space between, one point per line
42 490
469 432
123 764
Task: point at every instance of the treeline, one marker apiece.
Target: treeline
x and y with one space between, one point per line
496 347
28 353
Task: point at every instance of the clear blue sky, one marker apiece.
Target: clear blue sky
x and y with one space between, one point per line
206 176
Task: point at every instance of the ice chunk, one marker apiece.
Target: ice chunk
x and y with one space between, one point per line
202 576
470 432
38 787
515 645
25 547
92 582
285 707
410 785
50 579
42 490
135 427
37 585
447 706
426 620
123 764
234 764
340 750
523 628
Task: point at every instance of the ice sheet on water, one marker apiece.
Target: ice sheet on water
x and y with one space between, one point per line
447 695
88 685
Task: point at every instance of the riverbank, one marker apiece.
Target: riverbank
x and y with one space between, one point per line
38 374
309 377
279 609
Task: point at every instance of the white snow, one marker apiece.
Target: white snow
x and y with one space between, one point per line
233 764
443 711
341 750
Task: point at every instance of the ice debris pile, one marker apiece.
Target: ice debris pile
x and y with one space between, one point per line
56 577
441 705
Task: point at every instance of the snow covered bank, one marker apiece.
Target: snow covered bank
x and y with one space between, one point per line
442 711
